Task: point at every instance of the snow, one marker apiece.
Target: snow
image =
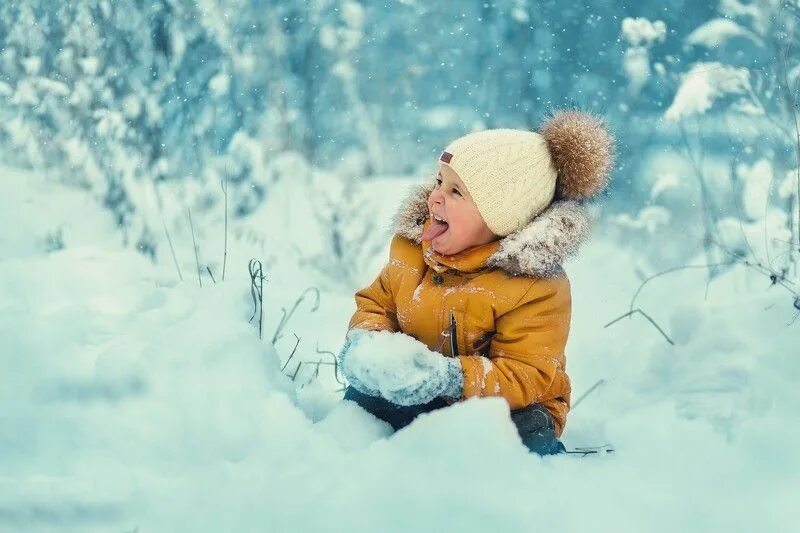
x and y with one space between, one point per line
789 186
353 14
441 116
219 84
132 401
764 230
717 32
664 182
753 12
640 31
650 218
641 34
757 179
705 83
636 63
44 212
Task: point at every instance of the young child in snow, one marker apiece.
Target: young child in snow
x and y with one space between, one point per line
473 301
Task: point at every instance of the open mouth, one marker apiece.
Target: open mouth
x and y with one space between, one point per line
437 227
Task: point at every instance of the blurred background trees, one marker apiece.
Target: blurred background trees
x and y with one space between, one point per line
150 105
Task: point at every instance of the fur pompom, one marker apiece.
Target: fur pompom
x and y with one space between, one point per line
583 153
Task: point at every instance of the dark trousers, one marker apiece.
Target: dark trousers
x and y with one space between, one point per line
534 423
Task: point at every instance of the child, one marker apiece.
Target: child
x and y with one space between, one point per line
475 275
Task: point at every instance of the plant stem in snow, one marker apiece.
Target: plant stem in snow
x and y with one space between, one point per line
587 393
287 316
296 370
194 242
257 291
225 194
793 108
171 249
674 269
629 313
293 351
335 364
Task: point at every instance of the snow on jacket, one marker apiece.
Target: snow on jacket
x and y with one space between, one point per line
510 299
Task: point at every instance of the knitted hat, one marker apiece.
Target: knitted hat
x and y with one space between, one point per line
513 175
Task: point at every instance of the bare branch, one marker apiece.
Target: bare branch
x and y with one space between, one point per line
669 270
778 278
296 370
647 317
257 291
585 394
171 249
287 316
224 186
293 351
335 363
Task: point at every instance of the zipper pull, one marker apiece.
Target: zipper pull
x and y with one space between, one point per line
453 337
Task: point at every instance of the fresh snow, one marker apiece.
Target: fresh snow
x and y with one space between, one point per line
639 31
132 401
704 84
718 32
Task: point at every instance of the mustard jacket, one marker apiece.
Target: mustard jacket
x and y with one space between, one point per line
509 301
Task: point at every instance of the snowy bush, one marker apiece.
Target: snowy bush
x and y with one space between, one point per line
762 222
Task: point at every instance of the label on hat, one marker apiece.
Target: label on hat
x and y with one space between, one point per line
446 157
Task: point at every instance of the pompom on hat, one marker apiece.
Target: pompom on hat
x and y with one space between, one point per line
513 175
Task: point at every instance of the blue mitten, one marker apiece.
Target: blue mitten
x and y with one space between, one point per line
354 337
438 376
399 368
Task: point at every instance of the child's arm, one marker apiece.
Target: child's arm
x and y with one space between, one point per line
375 304
526 356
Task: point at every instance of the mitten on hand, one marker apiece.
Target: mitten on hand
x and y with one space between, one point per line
354 337
435 376
400 368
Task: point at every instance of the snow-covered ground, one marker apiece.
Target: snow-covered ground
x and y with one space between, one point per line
131 401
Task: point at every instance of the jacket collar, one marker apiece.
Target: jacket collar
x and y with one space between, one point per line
539 249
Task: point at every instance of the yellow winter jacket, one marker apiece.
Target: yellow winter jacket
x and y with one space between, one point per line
510 300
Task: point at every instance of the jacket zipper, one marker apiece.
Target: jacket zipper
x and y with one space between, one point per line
453 338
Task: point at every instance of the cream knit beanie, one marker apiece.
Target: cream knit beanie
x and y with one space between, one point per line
513 175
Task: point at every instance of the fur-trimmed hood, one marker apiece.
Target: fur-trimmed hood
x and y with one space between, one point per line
539 249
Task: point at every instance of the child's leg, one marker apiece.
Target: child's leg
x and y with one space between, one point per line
398 416
537 429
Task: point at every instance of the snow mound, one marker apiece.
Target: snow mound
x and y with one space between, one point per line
131 401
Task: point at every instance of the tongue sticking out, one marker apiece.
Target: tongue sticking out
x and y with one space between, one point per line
434 230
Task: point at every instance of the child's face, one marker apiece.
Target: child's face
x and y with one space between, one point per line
451 201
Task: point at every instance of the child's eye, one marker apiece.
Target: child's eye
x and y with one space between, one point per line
456 191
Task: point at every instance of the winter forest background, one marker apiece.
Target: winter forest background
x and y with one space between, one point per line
193 190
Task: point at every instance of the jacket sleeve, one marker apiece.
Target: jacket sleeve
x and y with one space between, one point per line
525 363
375 305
